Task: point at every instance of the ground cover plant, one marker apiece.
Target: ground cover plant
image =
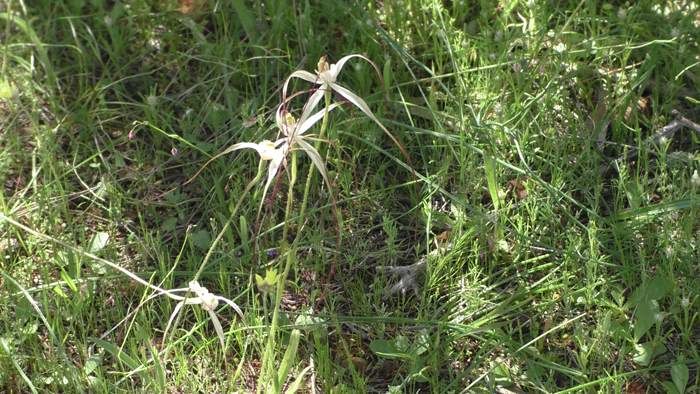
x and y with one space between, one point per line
496 196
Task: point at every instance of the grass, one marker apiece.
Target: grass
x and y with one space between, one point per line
559 237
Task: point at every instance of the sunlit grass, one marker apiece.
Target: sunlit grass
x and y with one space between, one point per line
499 214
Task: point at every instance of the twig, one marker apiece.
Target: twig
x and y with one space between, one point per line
666 132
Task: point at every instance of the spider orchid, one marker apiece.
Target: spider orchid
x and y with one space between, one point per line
326 76
202 297
276 152
206 300
294 130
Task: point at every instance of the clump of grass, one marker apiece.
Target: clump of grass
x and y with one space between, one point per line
554 230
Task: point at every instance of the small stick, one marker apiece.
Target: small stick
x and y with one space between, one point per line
667 132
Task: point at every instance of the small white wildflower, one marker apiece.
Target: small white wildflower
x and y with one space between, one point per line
695 179
663 140
154 43
108 21
685 302
622 13
659 317
669 251
560 48
152 100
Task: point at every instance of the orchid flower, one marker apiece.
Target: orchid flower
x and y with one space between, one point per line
276 152
326 76
294 131
206 300
202 297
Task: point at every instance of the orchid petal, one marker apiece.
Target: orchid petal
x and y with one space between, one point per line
263 149
311 104
301 74
217 327
272 170
337 67
362 105
308 123
172 317
315 158
279 117
232 305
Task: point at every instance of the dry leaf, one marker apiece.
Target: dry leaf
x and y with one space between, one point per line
635 387
599 121
443 237
188 7
643 106
517 186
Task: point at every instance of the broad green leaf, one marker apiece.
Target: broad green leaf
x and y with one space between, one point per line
118 353
645 352
421 343
169 224
644 318
670 388
201 239
658 287
91 364
243 230
680 375
388 349
98 242
6 90
69 281
308 322
654 289
59 291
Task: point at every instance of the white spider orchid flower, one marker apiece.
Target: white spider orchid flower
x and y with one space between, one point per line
202 297
276 151
294 131
206 300
326 76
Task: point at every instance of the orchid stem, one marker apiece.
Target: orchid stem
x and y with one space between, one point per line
220 236
307 187
267 370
